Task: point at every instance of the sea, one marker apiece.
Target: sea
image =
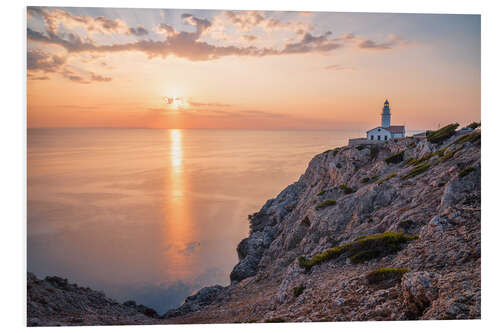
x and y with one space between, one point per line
154 215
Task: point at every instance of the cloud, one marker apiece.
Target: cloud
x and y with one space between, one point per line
37 78
139 31
54 18
166 29
310 43
200 104
338 67
248 20
392 42
99 78
78 78
256 113
38 60
200 23
72 76
191 45
217 112
249 38
79 107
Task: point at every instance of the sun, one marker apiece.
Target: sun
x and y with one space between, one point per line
177 103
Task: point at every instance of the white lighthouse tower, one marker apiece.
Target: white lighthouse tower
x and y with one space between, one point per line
386 115
384 132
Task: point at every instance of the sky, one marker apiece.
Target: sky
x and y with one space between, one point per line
162 68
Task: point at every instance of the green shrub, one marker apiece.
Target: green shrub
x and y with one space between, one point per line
427 156
472 137
464 172
365 180
449 154
360 147
361 249
378 245
326 203
374 178
442 134
421 168
347 190
319 258
392 175
336 151
363 256
374 152
297 291
474 125
410 161
386 274
396 158
275 320
321 192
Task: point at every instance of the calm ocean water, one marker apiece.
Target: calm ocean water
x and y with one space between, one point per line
153 215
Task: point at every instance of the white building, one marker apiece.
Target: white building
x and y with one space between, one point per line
386 131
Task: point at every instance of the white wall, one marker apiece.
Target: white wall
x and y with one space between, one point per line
379 134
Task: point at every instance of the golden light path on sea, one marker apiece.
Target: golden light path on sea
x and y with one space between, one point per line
178 228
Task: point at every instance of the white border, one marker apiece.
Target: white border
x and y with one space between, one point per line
13 165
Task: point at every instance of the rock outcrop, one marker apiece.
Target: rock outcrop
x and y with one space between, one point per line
427 192
54 301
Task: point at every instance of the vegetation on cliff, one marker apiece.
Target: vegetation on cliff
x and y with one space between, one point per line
361 249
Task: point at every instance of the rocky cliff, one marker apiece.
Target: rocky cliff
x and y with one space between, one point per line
54 301
387 231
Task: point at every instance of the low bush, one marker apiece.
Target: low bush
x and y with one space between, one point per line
361 249
360 147
449 154
365 180
396 158
326 203
442 134
347 190
464 172
410 161
386 274
472 137
297 291
392 175
474 125
321 192
275 320
336 151
428 156
421 168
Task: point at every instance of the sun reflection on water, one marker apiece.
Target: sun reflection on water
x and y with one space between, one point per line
178 226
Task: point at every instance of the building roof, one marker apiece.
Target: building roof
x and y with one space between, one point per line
392 129
396 129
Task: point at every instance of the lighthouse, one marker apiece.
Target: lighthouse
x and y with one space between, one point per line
384 132
386 115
